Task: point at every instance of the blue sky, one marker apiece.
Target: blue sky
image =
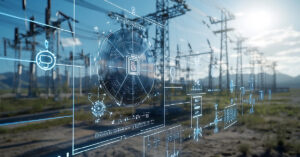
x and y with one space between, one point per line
279 39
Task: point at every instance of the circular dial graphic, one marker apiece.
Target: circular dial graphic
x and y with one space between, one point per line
126 67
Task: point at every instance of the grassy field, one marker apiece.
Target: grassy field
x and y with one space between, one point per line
273 130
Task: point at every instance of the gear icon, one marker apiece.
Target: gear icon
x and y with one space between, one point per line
98 108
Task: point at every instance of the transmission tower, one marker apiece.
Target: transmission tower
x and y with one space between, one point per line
161 42
188 68
210 79
274 86
163 13
261 76
272 66
225 17
32 88
177 63
239 63
18 66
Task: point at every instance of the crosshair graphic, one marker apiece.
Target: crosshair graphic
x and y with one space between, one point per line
126 66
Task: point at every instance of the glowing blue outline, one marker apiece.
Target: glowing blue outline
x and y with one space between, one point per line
155 133
113 140
149 20
73 96
232 123
73 84
18 60
39 23
38 58
30 61
36 120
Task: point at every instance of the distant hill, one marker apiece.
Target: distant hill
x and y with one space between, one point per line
283 80
288 81
7 80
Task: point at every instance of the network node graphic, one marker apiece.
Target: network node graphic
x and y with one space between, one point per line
98 108
45 59
126 67
197 131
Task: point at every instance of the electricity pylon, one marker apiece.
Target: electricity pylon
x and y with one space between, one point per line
225 17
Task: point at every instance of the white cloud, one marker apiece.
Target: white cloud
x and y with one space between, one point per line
282 46
289 51
292 43
274 36
69 42
287 60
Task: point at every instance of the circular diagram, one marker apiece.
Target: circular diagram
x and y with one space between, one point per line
45 60
126 67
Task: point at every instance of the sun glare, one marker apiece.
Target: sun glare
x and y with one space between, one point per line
260 20
255 21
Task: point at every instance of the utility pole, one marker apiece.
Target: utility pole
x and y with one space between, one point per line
191 54
5 47
61 17
85 59
274 86
188 68
225 17
252 53
87 64
210 79
18 65
32 88
67 72
177 63
261 75
239 63
58 83
47 30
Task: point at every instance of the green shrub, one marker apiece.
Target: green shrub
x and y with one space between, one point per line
244 148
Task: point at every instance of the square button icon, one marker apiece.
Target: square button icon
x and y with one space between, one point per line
133 65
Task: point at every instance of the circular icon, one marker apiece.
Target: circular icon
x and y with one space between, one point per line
98 109
126 67
45 60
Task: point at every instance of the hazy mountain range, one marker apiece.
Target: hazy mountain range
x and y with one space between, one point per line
283 80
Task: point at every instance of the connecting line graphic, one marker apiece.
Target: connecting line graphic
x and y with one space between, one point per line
179 103
18 60
230 116
132 13
69 65
30 61
163 143
252 103
37 120
197 131
215 122
28 20
242 93
179 87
